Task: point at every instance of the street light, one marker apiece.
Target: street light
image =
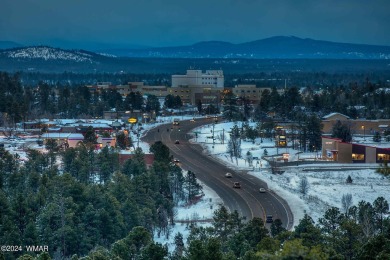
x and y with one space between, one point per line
364 132
213 135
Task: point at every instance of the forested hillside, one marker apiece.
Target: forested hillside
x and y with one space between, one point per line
88 200
90 208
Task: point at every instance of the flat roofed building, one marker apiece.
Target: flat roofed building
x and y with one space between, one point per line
358 126
334 149
72 139
212 78
191 94
251 92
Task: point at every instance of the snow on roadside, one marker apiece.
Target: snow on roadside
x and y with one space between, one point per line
201 212
326 186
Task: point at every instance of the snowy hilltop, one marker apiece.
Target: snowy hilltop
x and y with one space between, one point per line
48 53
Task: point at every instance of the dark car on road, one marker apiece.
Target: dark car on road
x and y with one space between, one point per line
236 185
269 219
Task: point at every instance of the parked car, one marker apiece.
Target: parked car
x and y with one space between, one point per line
236 185
177 142
262 190
269 219
176 160
228 175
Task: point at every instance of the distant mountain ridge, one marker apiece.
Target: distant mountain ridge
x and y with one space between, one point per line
272 54
278 47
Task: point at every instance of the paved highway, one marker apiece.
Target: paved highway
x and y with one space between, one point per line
248 201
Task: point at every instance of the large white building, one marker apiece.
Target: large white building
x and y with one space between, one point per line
213 78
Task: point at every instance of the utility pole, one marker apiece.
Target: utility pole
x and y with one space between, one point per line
138 137
213 134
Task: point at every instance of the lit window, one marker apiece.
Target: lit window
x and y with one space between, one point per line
357 157
383 157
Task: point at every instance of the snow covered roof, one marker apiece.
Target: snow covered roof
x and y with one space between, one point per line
334 114
62 136
94 125
68 121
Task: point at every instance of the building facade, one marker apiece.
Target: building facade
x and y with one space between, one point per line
334 149
361 127
191 94
211 78
250 92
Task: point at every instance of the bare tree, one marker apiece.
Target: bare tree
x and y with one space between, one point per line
304 185
346 202
220 137
234 147
249 158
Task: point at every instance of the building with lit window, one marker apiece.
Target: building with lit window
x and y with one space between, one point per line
334 149
358 126
250 92
211 78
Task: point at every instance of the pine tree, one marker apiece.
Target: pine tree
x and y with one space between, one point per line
161 152
342 131
179 245
377 137
277 227
192 186
381 208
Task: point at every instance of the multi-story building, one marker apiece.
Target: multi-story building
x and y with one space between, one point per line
251 92
211 78
191 94
124 90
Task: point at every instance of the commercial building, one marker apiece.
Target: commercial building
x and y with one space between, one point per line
335 149
250 92
70 139
192 87
361 127
124 90
191 94
210 78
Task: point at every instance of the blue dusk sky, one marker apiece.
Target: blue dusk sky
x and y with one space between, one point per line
158 23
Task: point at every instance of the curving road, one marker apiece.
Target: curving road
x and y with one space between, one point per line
248 201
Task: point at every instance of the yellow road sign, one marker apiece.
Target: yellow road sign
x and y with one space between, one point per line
132 120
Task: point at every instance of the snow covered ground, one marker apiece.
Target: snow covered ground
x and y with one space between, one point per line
327 182
200 213
326 186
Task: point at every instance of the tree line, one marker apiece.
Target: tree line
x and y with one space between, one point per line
363 99
88 200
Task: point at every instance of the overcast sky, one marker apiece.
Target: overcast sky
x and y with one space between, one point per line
181 22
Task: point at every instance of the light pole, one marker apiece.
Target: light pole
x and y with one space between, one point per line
138 136
364 132
213 134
